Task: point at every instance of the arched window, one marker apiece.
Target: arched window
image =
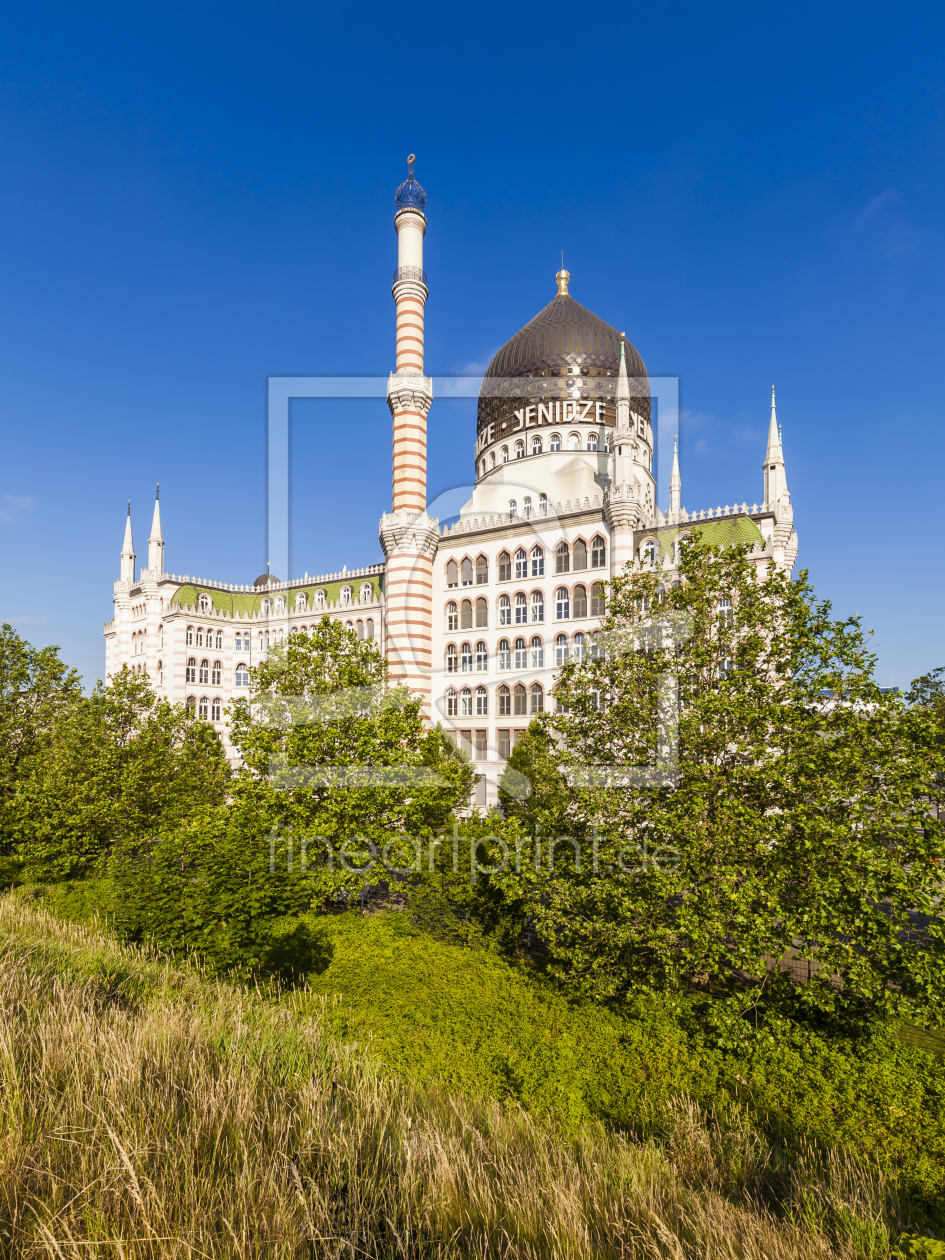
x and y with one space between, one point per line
598 553
369 628
452 616
349 625
505 610
597 600
574 441
726 666
579 555
452 709
367 592
519 450
482 614
521 654
562 558
452 659
527 508
543 505
492 459
538 562
536 445
505 454
200 636
580 601
189 636
266 607
191 706
538 606
513 509
648 552
505 655
521 563
466 571
203 708
320 599
465 702
219 641
346 595
555 443
537 697
204 672
216 710
216 678
242 675
521 609
482 570
579 647
505 567
452 573
238 641
301 602
561 649
466 615
503 701
520 698
482 657
160 673
359 627
465 658
562 603
280 605
482 468
538 653
592 441
204 603
482 702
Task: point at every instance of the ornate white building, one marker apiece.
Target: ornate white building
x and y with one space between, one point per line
475 616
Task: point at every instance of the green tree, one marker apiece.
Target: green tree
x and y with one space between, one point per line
112 769
784 803
532 788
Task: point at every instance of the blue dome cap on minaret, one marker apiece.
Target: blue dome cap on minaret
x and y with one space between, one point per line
410 194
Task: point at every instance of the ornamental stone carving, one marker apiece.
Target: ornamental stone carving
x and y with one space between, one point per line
409 533
409 391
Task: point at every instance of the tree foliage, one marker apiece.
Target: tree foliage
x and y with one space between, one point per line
785 804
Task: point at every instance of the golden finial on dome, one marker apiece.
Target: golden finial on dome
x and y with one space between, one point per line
563 277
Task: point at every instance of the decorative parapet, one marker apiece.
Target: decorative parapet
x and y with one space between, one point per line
546 511
409 533
409 391
371 570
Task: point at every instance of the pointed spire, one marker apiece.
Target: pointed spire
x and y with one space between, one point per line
128 551
623 382
675 481
774 434
775 479
156 538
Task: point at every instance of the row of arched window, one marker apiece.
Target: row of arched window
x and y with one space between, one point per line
517 654
528 563
204 672
200 637
536 446
208 710
277 606
524 609
474 702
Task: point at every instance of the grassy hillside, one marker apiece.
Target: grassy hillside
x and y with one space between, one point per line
148 1111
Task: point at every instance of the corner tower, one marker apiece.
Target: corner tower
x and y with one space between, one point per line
408 535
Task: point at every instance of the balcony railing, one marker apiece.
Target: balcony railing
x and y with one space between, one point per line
410 273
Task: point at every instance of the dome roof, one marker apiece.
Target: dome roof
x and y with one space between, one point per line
266 579
563 339
410 195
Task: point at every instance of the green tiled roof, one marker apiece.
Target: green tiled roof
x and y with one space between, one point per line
246 603
741 529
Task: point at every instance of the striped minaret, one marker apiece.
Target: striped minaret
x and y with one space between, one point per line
410 537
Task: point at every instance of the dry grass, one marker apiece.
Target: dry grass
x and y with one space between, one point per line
147 1112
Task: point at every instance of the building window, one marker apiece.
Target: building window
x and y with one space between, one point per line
561 650
482 752
242 675
216 711
266 607
466 615
580 601
200 636
346 595
465 742
726 614
579 555
465 658
320 599
527 508
562 558
536 446
579 647
562 603
189 636
482 570
451 705
466 571
521 610
505 454
505 567
465 702
574 441
160 673
301 602
592 441
369 628
452 573
521 563
482 468
503 743
538 562
191 706
482 658
219 641
520 700
537 697
492 459
521 655
452 616
366 592
538 653
503 701
452 659
482 702
204 671
648 552
204 603
203 708
513 509
555 443
519 450
538 606
505 655
505 610
598 553
482 614
191 670
543 505
359 627
597 600
216 678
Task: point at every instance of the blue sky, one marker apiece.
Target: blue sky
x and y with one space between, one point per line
193 198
